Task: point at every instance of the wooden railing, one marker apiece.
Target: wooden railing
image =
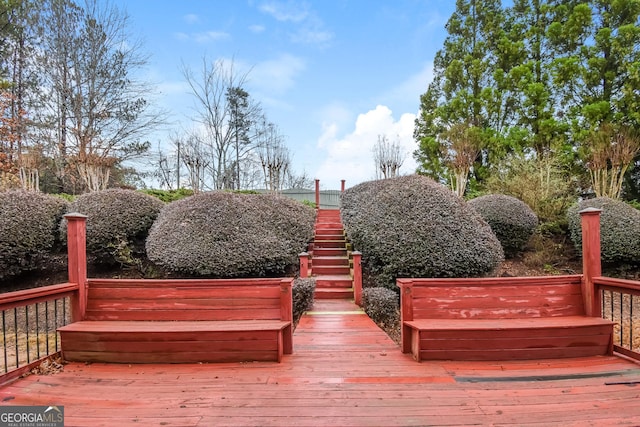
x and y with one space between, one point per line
30 318
620 303
29 322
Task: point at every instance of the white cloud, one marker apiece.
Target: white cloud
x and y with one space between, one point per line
276 76
286 12
308 28
411 89
210 36
202 37
257 29
350 157
191 18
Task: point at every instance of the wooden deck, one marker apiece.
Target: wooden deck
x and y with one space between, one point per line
344 372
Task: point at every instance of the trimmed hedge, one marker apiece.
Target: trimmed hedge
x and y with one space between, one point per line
117 223
381 305
512 221
619 230
412 226
303 291
222 234
28 229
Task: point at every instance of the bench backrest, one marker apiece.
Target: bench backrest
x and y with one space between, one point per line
196 299
491 298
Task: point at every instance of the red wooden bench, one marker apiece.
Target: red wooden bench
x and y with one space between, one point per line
499 319
182 321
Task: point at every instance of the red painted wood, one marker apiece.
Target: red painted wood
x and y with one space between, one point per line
357 277
166 313
304 264
10 300
591 264
345 372
77 262
522 316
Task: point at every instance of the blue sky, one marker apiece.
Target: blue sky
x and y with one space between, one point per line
331 74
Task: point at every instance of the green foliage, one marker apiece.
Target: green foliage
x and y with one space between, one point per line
65 196
512 221
303 292
381 305
224 234
619 230
542 183
309 203
28 229
413 227
117 223
169 196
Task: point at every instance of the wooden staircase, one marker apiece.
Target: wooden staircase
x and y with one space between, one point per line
329 254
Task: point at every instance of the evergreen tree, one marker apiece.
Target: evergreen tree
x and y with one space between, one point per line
464 90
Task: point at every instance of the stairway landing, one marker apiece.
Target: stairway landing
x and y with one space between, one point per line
329 253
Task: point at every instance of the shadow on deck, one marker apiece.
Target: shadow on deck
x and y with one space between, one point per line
344 371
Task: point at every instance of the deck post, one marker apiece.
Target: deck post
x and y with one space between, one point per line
304 264
77 261
342 185
406 312
591 261
357 277
317 193
286 314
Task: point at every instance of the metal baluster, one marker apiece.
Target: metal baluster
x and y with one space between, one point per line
4 339
46 320
15 329
631 328
37 332
26 321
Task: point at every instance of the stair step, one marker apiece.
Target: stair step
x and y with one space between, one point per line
330 269
334 281
319 261
329 231
329 237
329 243
325 252
333 293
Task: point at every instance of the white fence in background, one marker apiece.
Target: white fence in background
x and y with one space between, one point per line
329 199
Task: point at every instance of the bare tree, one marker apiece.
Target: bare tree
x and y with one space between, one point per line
274 157
608 152
224 110
388 157
461 147
98 110
194 157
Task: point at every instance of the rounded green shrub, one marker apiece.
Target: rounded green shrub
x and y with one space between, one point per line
303 291
222 234
412 226
512 221
117 223
28 228
619 230
381 305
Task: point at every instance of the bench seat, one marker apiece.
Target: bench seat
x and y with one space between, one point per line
173 341
182 321
499 319
490 339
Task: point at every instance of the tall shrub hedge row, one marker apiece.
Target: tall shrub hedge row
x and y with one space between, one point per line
118 221
221 234
414 227
512 221
28 229
619 230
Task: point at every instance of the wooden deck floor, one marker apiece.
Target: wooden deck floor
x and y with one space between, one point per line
344 372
